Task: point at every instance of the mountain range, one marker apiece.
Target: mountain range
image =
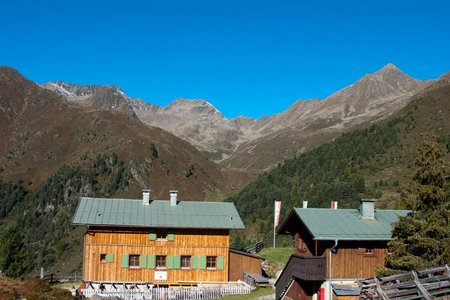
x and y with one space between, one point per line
255 145
60 141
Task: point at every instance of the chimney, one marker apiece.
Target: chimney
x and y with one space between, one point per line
334 204
173 197
367 209
305 204
146 196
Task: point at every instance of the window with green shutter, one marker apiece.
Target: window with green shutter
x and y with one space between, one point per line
171 236
109 258
124 261
151 261
143 261
220 262
152 235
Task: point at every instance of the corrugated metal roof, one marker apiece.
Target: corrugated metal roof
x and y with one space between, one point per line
346 290
159 213
347 224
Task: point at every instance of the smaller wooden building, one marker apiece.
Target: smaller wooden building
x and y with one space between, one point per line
332 249
243 262
161 242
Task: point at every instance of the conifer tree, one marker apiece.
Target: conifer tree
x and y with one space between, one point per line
422 238
13 256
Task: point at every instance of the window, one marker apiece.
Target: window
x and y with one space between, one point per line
161 262
161 235
210 262
133 261
103 257
185 262
369 251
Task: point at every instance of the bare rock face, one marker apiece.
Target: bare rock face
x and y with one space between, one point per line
254 145
249 144
97 97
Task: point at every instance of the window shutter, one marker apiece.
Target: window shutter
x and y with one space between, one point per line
202 262
170 236
151 261
110 258
220 262
177 262
194 262
124 261
170 262
152 235
143 261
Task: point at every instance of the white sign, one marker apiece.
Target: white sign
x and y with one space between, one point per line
160 276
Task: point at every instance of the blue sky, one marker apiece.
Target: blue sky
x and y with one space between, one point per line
251 58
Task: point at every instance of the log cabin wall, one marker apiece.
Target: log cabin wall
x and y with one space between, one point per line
356 259
240 263
108 251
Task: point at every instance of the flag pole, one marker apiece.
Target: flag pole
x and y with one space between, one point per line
276 218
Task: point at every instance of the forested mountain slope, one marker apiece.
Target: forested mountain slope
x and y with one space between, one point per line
371 162
53 151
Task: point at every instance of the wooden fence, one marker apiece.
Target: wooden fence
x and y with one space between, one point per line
422 284
167 293
255 248
56 278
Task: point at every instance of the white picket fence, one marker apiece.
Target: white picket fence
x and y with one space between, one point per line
141 292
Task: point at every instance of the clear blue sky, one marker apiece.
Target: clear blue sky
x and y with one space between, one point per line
250 58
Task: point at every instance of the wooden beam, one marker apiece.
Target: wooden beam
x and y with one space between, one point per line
421 288
380 291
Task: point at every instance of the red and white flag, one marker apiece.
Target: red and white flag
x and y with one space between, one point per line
277 213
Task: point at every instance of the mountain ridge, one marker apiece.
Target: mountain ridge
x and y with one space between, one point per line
300 127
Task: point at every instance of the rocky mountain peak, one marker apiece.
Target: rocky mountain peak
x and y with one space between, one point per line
192 106
70 91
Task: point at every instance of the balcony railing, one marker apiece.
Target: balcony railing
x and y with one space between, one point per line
308 268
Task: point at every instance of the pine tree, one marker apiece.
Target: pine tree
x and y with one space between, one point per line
13 256
422 239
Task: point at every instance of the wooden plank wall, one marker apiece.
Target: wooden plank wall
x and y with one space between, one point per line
240 263
186 242
351 260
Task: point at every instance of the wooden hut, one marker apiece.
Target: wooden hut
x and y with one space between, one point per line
156 241
332 249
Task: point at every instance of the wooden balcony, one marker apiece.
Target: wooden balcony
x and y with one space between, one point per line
308 268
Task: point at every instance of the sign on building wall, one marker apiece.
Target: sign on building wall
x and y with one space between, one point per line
160 276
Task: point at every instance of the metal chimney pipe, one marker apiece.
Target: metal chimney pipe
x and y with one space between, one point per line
146 196
173 197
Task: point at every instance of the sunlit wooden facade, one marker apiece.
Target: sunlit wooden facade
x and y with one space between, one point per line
136 255
179 244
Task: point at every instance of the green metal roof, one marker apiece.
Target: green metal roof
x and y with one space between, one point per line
159 213
347 224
